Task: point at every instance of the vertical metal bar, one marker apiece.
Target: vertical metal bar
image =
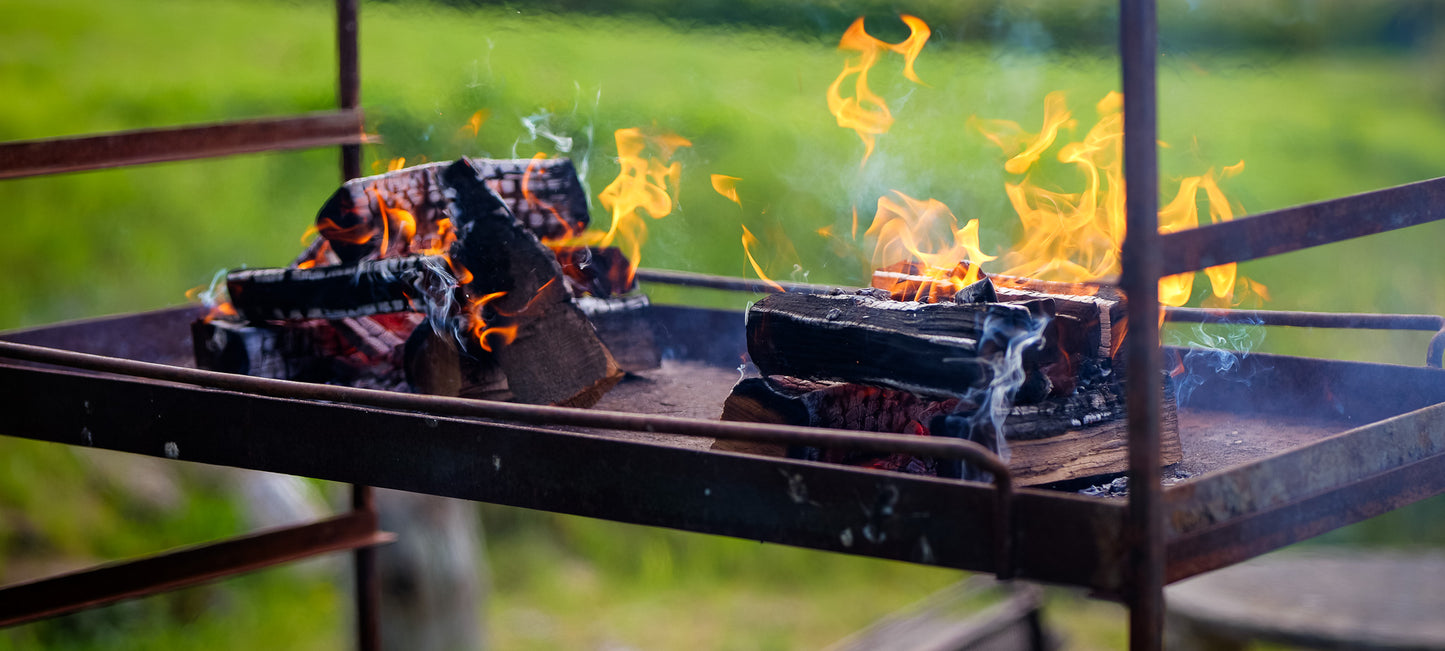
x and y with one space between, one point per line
368 588
1142 264
348 64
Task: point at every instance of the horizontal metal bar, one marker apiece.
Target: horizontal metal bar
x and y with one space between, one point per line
938 447
1241 538
1302 227
1361 321
1060 537
729 283
76 591
74 154
1434 355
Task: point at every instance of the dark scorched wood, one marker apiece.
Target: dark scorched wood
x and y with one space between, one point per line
346 290
940 349
546 197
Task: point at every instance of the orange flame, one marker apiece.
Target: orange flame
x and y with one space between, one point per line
1074 237
642 186
907 230
727 186
474 123
481 330
865 112
749 241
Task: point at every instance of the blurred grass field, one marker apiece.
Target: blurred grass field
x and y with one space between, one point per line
1310 124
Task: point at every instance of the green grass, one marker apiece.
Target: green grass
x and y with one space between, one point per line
752 104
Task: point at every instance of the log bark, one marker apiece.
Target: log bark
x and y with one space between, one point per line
1098 308
362 288
556 357
545 196
1057 439
939 349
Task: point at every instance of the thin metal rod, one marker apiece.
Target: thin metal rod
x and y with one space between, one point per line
935 447
349 79
368 584
75 154
1302 227
167 571
940 447
1142 266
728 283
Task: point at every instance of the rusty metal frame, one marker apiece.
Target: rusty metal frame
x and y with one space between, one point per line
1125 551
356 530
60 155
68 593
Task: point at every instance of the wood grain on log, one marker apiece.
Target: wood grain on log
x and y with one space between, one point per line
1060 438
546 196
940 349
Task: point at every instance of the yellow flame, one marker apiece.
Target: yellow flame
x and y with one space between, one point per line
474 123
1076 236
866 113
907 230
749 241
645 185
727 186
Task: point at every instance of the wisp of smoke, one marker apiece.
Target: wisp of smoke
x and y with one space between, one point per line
1217 350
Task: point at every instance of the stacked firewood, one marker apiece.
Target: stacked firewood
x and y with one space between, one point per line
438 279
1027 368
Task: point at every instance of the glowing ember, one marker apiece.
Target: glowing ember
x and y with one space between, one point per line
865 112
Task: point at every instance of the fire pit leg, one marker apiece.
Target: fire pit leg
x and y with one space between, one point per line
368 588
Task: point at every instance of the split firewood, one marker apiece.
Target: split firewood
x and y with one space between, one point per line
347 290
406 211
313 350
1054 440
596 271
939 349
1099 308
554 355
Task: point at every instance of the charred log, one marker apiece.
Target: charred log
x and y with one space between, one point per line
1059 438
349 290
308 351
555 356
940 349
406 211
596 271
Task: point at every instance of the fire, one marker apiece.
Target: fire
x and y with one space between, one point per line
865 112
927 233
727 186
1076 236
474 123
645 185
749 241
478 325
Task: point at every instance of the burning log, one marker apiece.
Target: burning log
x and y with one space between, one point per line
939 349
347 290
1057 439
371 216
364 352
500 317
1100 309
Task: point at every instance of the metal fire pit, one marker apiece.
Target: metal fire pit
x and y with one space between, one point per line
1311 445
1320 443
